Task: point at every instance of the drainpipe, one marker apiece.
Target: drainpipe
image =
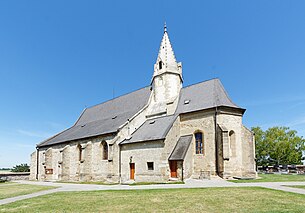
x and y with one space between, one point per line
37 162
120 175
182 171
216 142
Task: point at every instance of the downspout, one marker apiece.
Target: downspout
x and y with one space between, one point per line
120 166
120 175
182 171
37 162
216 142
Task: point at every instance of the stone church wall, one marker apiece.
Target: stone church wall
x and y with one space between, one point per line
232 165
140 154
241 161
170 143
61 162
188 164
64 161
157 152
248 146
33 167
203 121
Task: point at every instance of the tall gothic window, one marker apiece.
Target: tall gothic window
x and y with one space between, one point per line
199 142
232 143
104 150
80 150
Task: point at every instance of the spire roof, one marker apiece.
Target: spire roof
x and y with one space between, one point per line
166 53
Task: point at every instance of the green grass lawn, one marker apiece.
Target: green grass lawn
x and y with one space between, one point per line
273 178
5 183
12 190
245 199
301 187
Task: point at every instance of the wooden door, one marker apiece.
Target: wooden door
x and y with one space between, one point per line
132 171
173 168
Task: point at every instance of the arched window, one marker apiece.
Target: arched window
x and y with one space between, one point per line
160 65
199 142
232 143
80 150
104 150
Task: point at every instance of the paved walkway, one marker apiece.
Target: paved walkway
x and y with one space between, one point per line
188 184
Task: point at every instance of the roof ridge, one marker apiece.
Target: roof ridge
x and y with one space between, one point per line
226 94
117 97
200 82
144 88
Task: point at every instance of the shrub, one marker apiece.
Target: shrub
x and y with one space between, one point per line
21 168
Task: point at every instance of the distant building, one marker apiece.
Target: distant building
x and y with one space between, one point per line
158 133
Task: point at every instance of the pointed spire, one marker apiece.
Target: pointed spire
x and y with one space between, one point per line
166 54
166 60
167 79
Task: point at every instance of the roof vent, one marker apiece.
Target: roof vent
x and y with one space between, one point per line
186 102
114 117
83 125
152 122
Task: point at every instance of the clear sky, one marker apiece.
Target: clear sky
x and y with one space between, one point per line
57 57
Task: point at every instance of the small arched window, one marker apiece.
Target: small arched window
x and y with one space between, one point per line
199 142
104 150
160 65
80 150
232 143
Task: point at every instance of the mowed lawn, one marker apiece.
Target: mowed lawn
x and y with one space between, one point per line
245 199
295 186
13 189
273 178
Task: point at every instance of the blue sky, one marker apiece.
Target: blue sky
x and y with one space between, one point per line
57 57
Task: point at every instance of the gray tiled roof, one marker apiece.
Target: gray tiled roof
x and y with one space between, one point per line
181 148
103 118
109 116
204 95
153 129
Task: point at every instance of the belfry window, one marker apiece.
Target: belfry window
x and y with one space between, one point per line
104 150
160 65
199 142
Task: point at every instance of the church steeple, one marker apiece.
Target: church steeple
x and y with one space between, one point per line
166 60
166 81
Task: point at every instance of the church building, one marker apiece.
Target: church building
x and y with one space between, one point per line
159 133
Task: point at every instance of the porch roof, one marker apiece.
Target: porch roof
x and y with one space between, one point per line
181 148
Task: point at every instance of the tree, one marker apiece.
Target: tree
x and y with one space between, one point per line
278 145
261 147
21 168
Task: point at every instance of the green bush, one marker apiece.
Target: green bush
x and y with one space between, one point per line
21 168
2 180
